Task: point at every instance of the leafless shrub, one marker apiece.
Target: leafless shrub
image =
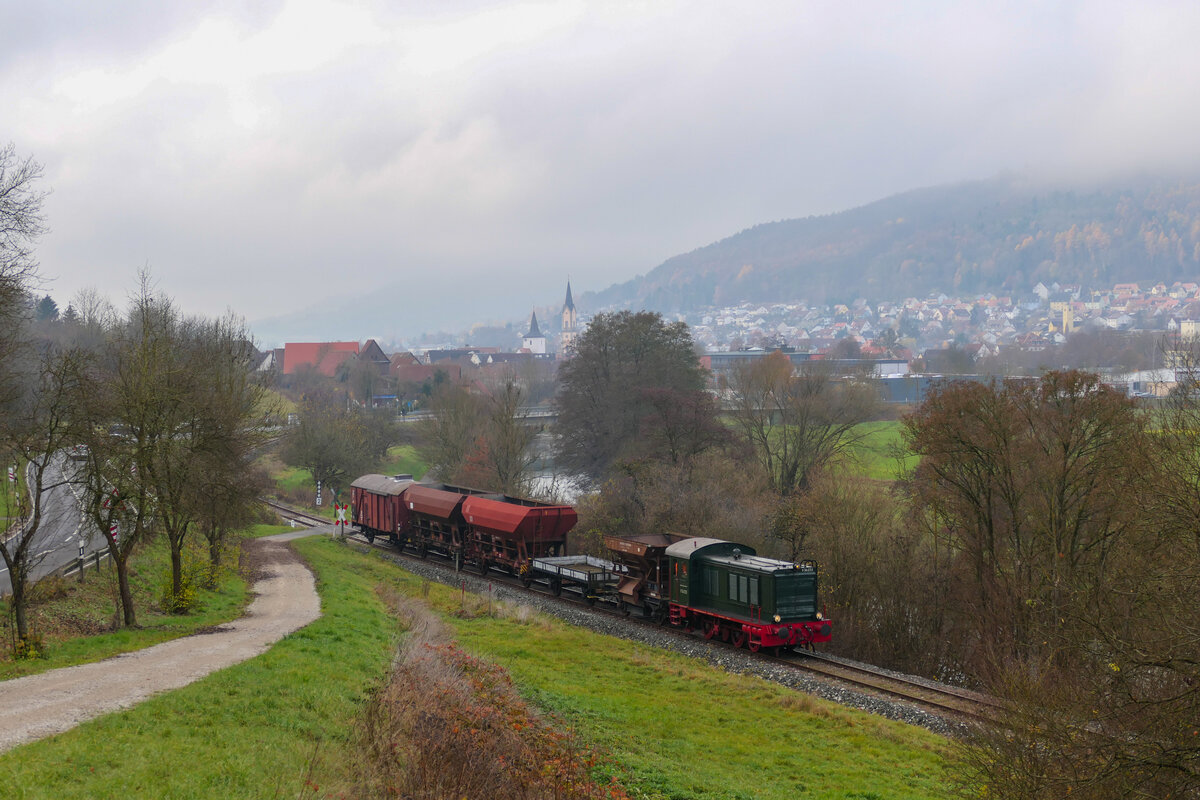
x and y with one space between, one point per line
451 725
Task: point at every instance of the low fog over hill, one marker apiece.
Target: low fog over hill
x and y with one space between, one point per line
1000 235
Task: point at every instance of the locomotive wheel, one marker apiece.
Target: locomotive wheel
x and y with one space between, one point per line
724 633
712 630
753 646
739 638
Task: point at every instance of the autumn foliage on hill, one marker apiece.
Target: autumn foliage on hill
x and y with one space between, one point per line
1001 235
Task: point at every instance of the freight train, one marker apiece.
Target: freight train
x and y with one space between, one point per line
722 589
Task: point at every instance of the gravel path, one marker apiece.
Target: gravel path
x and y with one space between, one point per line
717 655
52 702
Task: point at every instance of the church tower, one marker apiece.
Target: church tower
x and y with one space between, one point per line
534 341
570 323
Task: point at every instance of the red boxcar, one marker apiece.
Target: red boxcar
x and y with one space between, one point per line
377 507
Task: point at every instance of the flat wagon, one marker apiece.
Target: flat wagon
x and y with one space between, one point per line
592 577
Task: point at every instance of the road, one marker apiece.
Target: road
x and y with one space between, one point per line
62 531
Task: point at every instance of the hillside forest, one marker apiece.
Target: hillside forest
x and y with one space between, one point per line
999 236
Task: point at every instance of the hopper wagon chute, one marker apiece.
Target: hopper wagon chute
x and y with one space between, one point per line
510 532
644 581
436 520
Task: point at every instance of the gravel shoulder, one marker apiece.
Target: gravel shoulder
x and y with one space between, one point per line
52 702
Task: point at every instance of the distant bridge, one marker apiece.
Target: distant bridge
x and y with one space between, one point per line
530 415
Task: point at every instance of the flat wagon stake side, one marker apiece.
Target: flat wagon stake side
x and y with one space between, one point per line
592 577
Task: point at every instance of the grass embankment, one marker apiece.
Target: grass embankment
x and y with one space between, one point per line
675 727
679 729
74 616
249 731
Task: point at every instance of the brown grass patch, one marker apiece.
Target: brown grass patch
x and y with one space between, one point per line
450 725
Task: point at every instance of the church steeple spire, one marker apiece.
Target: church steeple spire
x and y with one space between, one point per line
570 323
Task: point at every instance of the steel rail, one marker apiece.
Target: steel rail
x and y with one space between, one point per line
302 517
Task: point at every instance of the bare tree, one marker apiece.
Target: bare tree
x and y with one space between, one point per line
1032 483
116 498
602 397
507 439
21 222
480 438
233 401
210 429
174 408
331 442
797 423
449 438
884 579
33 435
680 425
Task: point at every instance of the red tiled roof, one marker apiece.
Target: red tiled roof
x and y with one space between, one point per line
403 358
325 356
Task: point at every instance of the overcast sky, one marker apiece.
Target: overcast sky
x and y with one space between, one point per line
265 156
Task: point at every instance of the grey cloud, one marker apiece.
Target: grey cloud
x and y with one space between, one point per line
599 150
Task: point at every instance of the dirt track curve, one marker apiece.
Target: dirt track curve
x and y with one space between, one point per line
52 702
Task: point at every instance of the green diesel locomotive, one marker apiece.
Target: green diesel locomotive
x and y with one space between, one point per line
726 590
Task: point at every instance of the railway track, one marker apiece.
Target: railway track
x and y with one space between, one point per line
925 693
938 698
295 515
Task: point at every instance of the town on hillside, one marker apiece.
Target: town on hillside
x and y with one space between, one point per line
1124 328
